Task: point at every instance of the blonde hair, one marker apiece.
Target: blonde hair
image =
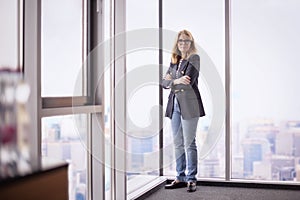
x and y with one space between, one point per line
176 54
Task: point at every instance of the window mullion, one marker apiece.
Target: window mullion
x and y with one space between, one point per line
227 91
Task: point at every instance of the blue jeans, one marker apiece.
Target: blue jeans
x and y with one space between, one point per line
184 138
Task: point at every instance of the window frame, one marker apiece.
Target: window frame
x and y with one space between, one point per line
57 106
30 57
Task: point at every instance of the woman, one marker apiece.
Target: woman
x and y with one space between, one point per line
184 108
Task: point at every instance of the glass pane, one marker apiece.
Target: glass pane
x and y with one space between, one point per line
208 33
142 93
9 34
107 99
265 80
65 138
62 48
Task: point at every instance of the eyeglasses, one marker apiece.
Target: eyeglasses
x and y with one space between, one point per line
180 41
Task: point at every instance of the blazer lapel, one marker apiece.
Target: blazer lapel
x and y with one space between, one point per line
183 67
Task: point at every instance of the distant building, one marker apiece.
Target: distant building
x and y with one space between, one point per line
296 144
210 167
238 166
254 149
287 174
284 143
280 163
264 129
262 170
139 150
288 139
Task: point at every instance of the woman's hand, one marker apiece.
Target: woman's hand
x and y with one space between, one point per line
168 77
183 80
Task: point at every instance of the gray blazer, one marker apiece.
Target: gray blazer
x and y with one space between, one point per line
188 96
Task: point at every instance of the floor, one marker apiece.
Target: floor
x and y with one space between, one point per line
224 193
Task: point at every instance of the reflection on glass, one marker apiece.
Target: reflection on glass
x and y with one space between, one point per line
62 48
64 138
142 96
265 80
142 121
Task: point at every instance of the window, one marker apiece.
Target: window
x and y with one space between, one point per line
265 117
205 20
11 34
265 138
142 90
66 112
63 48
65 138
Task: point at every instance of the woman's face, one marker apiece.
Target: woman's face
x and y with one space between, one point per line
184 43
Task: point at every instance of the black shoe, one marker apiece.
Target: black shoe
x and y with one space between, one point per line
191 187
175 184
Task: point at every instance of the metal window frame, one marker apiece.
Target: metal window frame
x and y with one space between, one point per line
160 95
227 38
118 160
228 164
31 69
44 107
86 98
97 157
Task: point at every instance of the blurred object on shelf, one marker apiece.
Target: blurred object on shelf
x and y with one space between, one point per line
14 124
